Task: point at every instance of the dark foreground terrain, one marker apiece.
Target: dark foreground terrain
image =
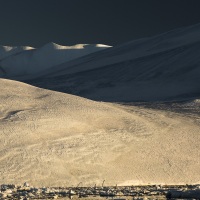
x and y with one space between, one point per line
26 192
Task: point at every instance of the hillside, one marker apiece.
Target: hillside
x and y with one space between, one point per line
51 138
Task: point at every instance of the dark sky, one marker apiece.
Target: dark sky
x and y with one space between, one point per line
67 22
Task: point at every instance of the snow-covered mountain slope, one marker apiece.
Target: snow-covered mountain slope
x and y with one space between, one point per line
51 54
6 51
163 67
51 138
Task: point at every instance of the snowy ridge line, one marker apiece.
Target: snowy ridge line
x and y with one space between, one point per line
23 62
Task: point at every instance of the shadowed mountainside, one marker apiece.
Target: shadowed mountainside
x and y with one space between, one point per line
24 63
160 68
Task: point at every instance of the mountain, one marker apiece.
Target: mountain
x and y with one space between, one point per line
161 68
32 62
6 51
56 139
